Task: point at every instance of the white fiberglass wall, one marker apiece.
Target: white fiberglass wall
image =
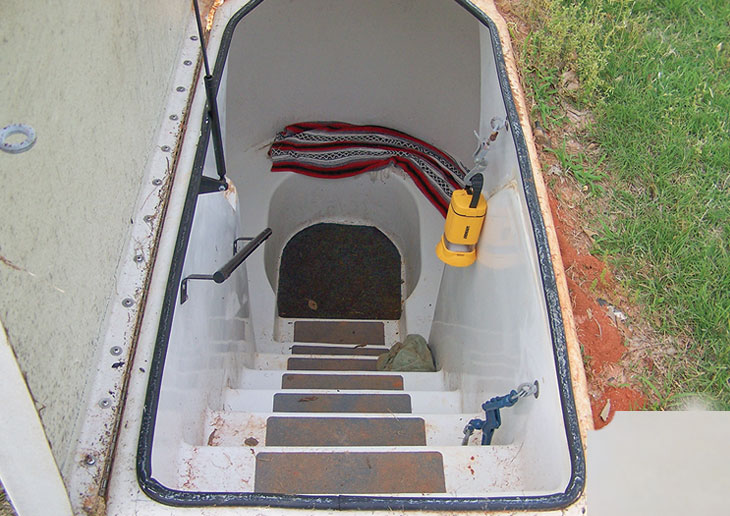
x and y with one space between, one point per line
211 338
427 68
490 330
412 65
409 65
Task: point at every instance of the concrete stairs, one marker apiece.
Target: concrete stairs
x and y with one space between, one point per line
322 420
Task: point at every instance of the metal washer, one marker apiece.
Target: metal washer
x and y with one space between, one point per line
16 148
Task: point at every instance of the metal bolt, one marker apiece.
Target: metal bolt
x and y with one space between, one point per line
165 148
89 460
157 181
105 403
221 188
148 218
194 38
187 62
115 350
139 258
180 88
127 302
173 117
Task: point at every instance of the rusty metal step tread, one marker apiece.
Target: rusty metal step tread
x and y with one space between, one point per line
337 350
349 473
361 403
342 381
330 364
340 332
345 431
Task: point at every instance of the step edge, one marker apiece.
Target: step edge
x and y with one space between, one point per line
418 393
421 415
490 449
285 371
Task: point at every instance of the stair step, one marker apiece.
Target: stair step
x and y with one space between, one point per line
335 381
467 469
363 403
260 400
225 428
355 473
330 364
264 379
337 350
340 332
284 332
342 431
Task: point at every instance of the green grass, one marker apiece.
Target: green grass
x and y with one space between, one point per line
544 84
656 75
586 171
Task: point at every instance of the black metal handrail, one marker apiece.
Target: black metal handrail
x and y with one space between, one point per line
212 185
225 272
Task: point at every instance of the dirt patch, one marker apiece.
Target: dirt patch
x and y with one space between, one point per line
601 341
620 398
600 333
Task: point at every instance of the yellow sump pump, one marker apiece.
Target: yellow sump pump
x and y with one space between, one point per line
464 221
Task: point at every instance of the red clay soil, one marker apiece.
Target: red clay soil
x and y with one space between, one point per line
601 341
622 398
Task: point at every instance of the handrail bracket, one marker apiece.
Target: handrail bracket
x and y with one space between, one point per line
225 272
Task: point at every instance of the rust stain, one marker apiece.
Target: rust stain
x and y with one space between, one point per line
189 473
231 193
236 431
211 14
211 437
93 502
94 505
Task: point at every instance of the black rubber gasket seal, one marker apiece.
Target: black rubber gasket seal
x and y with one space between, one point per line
160 493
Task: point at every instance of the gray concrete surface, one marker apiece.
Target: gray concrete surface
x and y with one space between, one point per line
92 79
